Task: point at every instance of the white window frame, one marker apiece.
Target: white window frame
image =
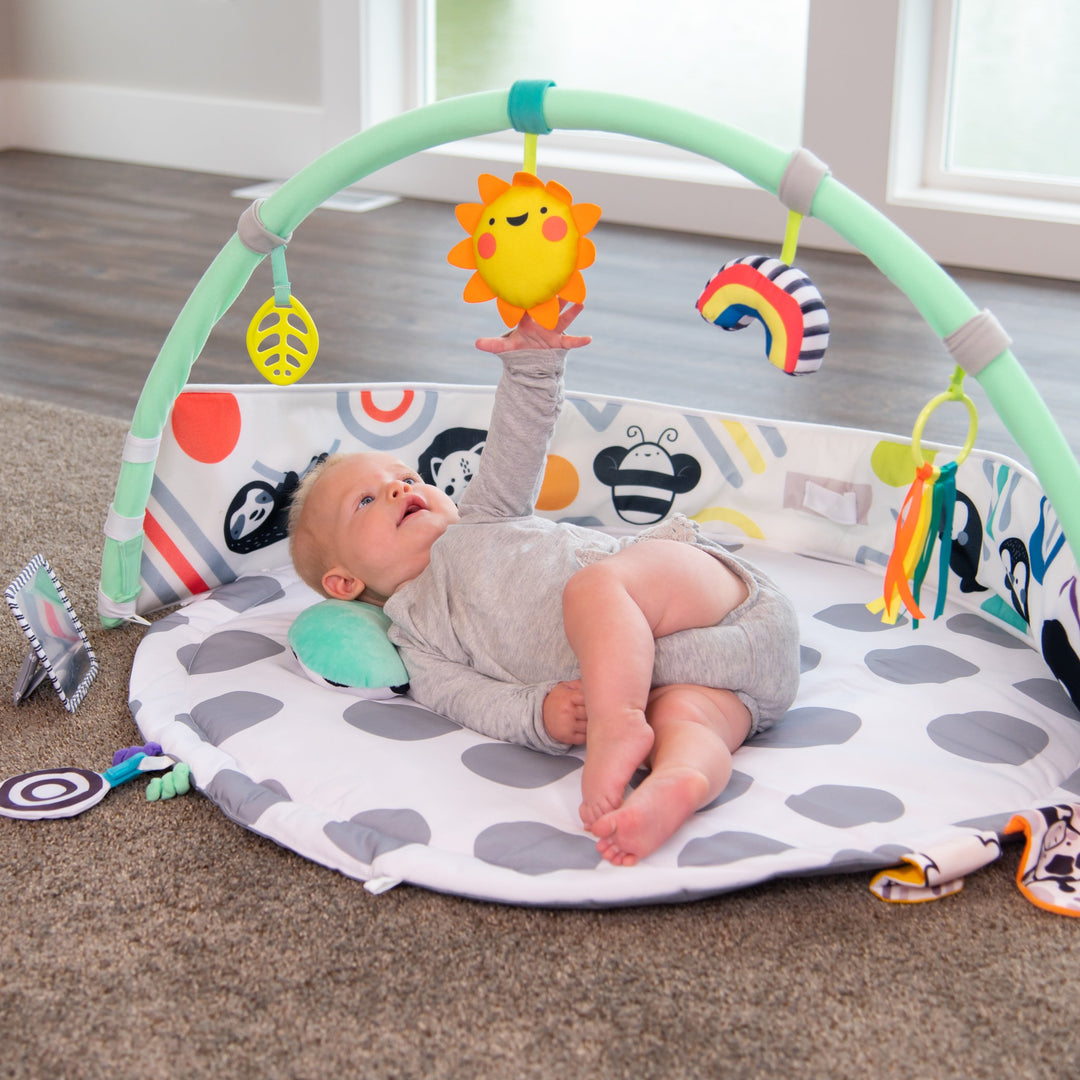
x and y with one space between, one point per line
936 173
868 90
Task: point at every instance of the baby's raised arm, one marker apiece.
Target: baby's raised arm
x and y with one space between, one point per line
528 401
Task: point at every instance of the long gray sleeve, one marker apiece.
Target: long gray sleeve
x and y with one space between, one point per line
528 401
508 711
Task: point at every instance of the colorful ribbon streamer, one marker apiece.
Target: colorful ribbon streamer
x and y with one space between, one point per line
912 525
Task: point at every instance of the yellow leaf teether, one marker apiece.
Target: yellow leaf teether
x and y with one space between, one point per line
282 341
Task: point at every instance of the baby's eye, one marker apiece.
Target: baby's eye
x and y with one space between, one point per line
364 501
410 480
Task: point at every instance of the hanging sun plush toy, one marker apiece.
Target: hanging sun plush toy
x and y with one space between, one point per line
527 245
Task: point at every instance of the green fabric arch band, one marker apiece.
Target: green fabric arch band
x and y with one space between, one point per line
525 106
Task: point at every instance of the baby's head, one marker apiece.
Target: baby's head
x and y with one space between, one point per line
361 525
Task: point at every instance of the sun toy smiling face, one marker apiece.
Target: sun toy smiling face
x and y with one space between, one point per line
527 245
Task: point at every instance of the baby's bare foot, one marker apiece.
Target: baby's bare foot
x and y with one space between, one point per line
652 814
613 751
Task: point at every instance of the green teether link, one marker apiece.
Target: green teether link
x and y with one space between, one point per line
175 782
525 106
282 286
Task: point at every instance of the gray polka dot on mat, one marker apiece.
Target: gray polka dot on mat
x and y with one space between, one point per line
857 617
186 653
1071 783
1051 693
852 859
531 847
248 592
971 625
278 787
728 847
808 659
517 766
810 725
916 665
375 832
848 861
843 806
988 823
185 719
169 622
219 718
892 853
228 650
738 785
992 737
241 798
402 723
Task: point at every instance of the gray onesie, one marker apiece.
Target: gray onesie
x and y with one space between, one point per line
481 631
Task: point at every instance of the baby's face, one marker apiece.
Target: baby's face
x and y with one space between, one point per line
381 520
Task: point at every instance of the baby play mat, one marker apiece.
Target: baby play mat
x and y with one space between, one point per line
902 742
916 749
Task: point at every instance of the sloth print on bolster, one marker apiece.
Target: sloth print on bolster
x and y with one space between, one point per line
258 515
644 478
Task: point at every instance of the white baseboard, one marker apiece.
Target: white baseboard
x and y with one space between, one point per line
216 135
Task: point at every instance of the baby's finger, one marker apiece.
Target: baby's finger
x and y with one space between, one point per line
567 314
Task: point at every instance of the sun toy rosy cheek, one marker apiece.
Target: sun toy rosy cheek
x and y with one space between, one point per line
527 245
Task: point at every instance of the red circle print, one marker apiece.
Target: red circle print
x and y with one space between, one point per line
206 426
554 229
485 246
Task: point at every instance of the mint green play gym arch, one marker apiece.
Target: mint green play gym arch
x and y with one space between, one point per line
974 339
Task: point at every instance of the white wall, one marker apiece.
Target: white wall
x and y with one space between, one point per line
6 51
263 50
232 86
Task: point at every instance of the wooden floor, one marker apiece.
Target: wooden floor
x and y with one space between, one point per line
97 259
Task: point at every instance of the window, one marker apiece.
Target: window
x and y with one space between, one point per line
743 63
955 118
1004 114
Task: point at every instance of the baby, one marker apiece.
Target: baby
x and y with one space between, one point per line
661 649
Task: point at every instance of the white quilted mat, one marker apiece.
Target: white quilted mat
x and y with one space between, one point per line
900 741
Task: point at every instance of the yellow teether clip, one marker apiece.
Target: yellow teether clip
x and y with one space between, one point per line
282 341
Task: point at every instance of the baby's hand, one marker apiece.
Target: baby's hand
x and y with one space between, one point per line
564 713
529 334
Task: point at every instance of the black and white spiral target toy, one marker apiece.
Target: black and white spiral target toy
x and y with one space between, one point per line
52 793
65 792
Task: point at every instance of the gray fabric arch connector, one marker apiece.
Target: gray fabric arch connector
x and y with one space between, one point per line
800 181
978 341
254 235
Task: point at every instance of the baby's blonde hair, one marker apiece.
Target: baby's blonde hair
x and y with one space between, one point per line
307 546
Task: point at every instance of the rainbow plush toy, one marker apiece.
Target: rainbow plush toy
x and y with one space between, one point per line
783 299
527 245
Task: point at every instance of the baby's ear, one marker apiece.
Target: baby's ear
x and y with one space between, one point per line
339 584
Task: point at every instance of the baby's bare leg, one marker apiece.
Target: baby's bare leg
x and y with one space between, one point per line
697 730
612 611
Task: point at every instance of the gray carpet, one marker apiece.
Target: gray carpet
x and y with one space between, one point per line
161 940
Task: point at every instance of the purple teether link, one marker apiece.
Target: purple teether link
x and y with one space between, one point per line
151 749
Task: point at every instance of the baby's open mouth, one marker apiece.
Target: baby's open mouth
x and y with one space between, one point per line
413 505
